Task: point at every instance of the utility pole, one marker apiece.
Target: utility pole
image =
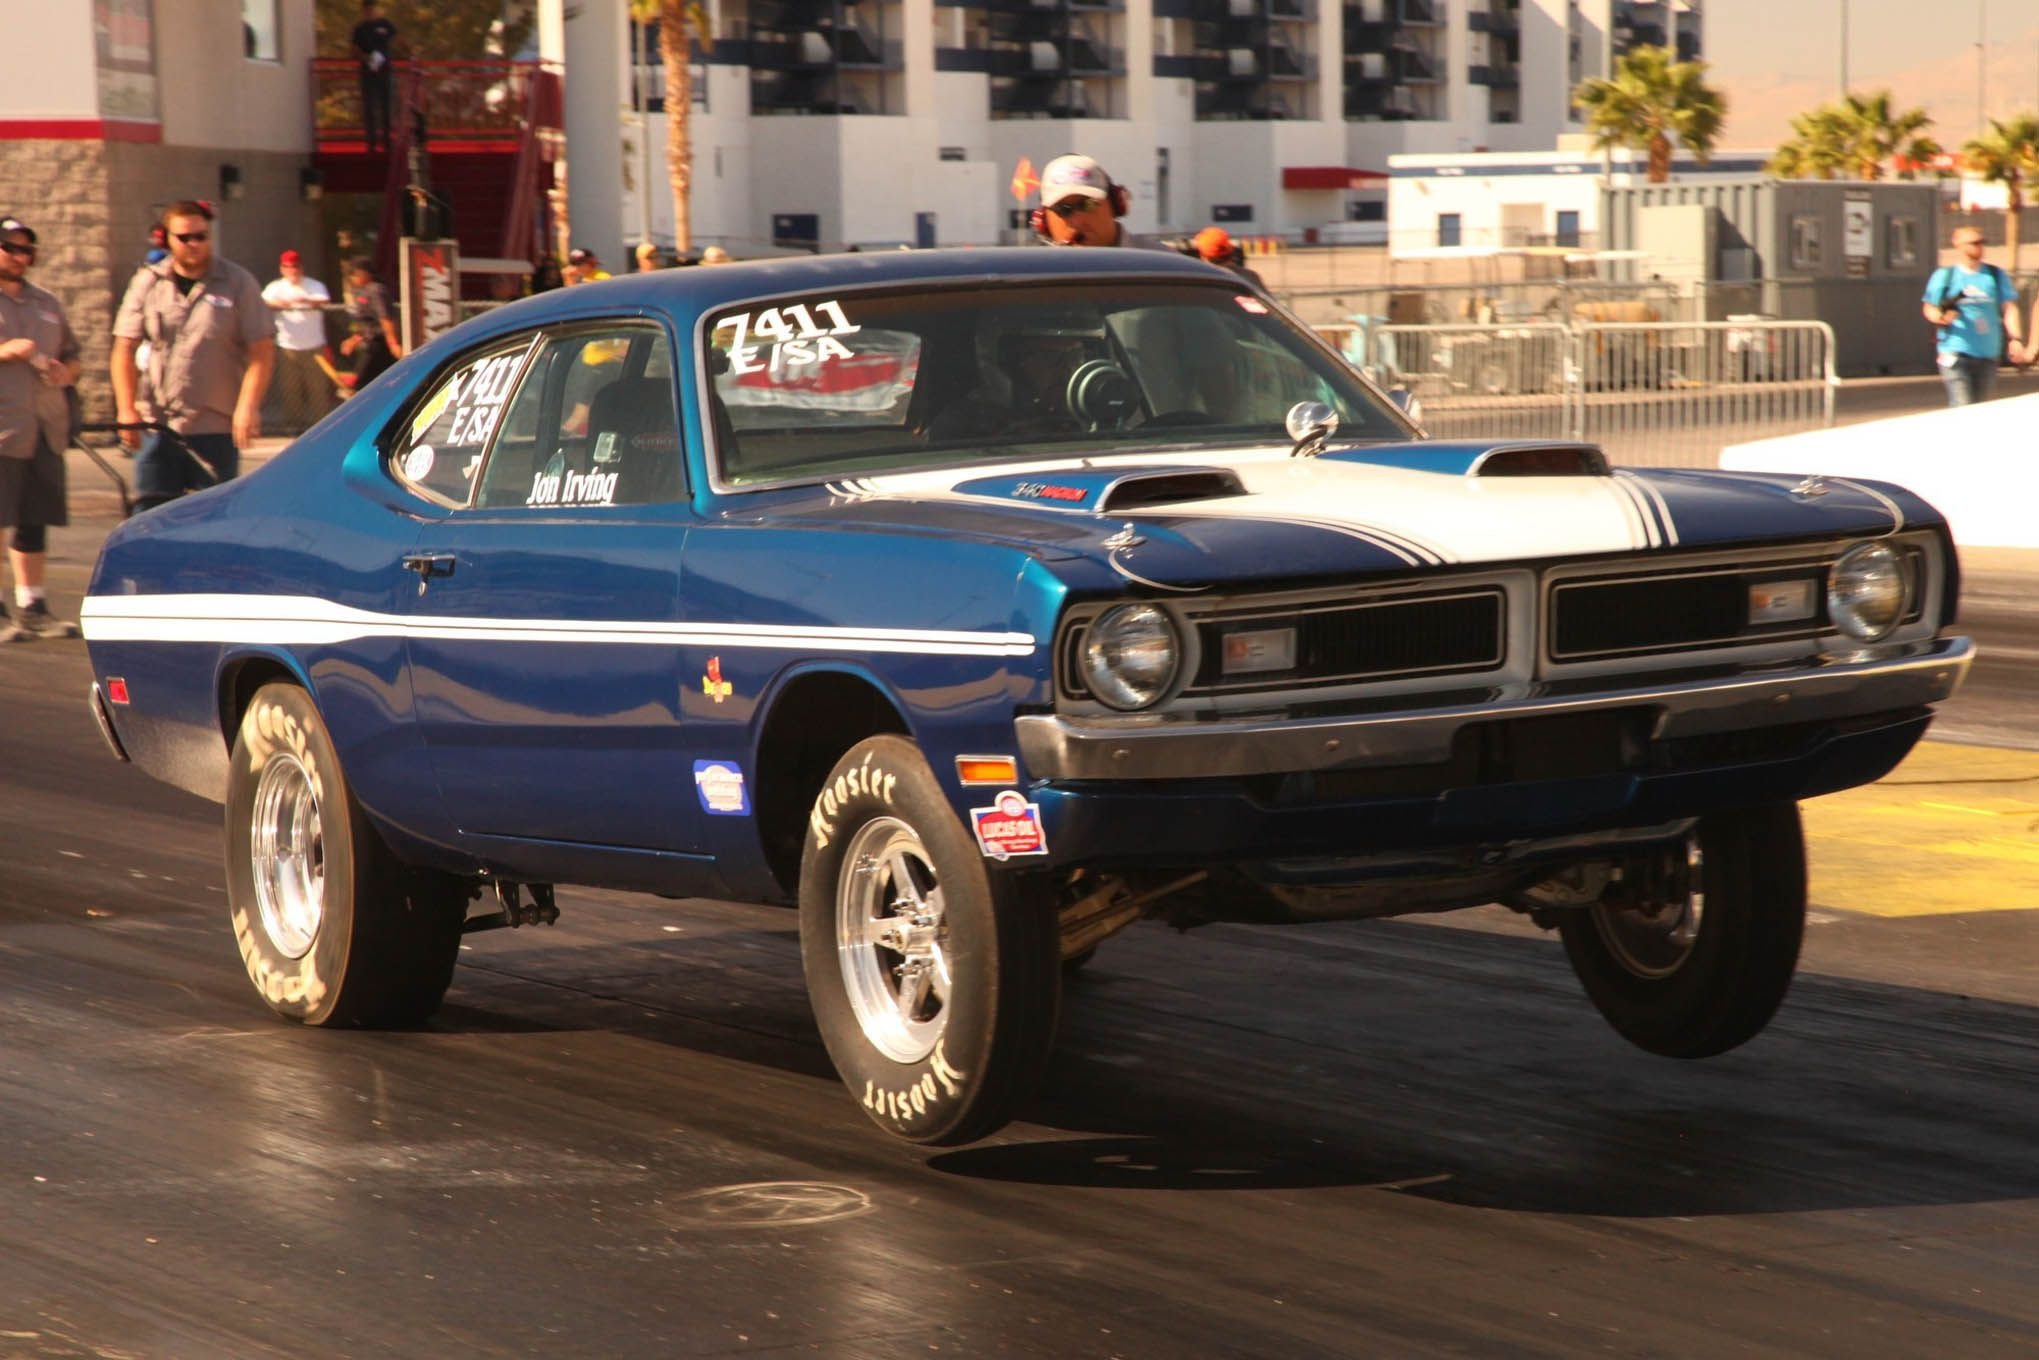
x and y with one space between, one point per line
1981 67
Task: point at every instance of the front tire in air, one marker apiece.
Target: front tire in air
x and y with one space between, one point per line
1701 970
935 983
332 929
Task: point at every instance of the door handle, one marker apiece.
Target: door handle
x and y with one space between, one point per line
428 565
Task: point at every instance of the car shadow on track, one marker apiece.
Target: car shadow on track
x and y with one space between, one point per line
1465 1067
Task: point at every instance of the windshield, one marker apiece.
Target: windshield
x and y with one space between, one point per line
817 387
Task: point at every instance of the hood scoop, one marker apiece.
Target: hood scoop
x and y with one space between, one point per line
1168 488
1552 458
1543 460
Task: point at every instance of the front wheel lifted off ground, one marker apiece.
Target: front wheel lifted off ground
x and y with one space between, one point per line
934 981
1699 965
332 928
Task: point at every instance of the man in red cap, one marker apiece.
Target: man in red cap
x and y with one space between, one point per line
303 359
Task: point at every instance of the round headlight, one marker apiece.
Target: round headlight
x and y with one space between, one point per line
1130 655
1865 592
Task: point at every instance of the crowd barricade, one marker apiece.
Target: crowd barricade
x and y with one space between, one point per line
1652 393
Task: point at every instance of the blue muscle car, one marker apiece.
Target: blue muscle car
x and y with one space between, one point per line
983 603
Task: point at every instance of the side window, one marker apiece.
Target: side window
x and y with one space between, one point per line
592 423
1805 242
442 446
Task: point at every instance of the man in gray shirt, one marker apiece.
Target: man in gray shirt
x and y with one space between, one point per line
212 348
38 360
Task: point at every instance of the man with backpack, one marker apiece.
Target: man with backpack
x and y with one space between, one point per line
1975 306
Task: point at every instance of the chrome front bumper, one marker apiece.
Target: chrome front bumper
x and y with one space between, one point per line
1170 747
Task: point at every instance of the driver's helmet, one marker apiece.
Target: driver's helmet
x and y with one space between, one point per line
1027 353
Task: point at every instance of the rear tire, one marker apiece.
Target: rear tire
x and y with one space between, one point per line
935 983
1695 975
333 930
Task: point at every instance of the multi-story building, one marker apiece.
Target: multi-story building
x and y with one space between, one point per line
111 111
873 121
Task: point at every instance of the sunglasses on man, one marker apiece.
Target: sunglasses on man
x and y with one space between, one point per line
190 238
18 250
1069 207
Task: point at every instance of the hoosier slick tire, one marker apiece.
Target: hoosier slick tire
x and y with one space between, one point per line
934 982
332 929
1697 977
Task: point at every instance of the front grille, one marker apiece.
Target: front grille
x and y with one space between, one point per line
1635 616
1377 640
1390 638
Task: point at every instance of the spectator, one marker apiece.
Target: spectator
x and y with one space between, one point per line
546 276
159 245
715 255
212 348
583 267
1975 305
302 358
373 38
372 341
38 360
648 257
1214 245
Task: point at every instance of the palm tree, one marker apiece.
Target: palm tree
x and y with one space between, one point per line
1859 135
682 24
1882 133
1817 149
2008 155
1650 100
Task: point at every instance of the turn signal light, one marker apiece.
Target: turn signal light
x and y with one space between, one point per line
1002 770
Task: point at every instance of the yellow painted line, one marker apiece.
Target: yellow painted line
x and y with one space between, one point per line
1953 829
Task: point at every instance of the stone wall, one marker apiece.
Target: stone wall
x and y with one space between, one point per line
59 188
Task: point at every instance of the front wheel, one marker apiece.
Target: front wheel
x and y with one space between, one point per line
935 983
333 930
1697 963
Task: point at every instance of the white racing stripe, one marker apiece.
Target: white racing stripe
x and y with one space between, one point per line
1653 503
1437 518
306 621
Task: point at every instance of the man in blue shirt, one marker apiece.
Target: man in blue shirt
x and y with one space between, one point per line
1975 305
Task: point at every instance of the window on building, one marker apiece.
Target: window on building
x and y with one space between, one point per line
261 36
1568 228
1901 235
1805 241
1448 232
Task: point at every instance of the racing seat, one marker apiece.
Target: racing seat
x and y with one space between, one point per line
633 433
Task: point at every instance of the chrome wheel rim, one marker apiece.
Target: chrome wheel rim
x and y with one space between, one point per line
288 854
1654 939
891 938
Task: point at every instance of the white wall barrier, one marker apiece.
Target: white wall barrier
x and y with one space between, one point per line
1978 465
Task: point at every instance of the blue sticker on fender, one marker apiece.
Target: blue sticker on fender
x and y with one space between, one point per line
720 784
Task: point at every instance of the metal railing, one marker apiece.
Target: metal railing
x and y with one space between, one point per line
463 101
1662 394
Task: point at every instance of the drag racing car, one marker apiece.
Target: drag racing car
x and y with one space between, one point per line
981 604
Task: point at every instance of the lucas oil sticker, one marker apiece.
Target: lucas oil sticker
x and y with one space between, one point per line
1011 826
720 784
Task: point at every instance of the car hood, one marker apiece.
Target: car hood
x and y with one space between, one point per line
1259 512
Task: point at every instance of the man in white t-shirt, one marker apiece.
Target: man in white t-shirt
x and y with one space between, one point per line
304 365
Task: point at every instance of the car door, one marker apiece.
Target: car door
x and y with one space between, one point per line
546 680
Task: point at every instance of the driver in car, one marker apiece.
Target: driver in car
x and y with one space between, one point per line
1024 380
